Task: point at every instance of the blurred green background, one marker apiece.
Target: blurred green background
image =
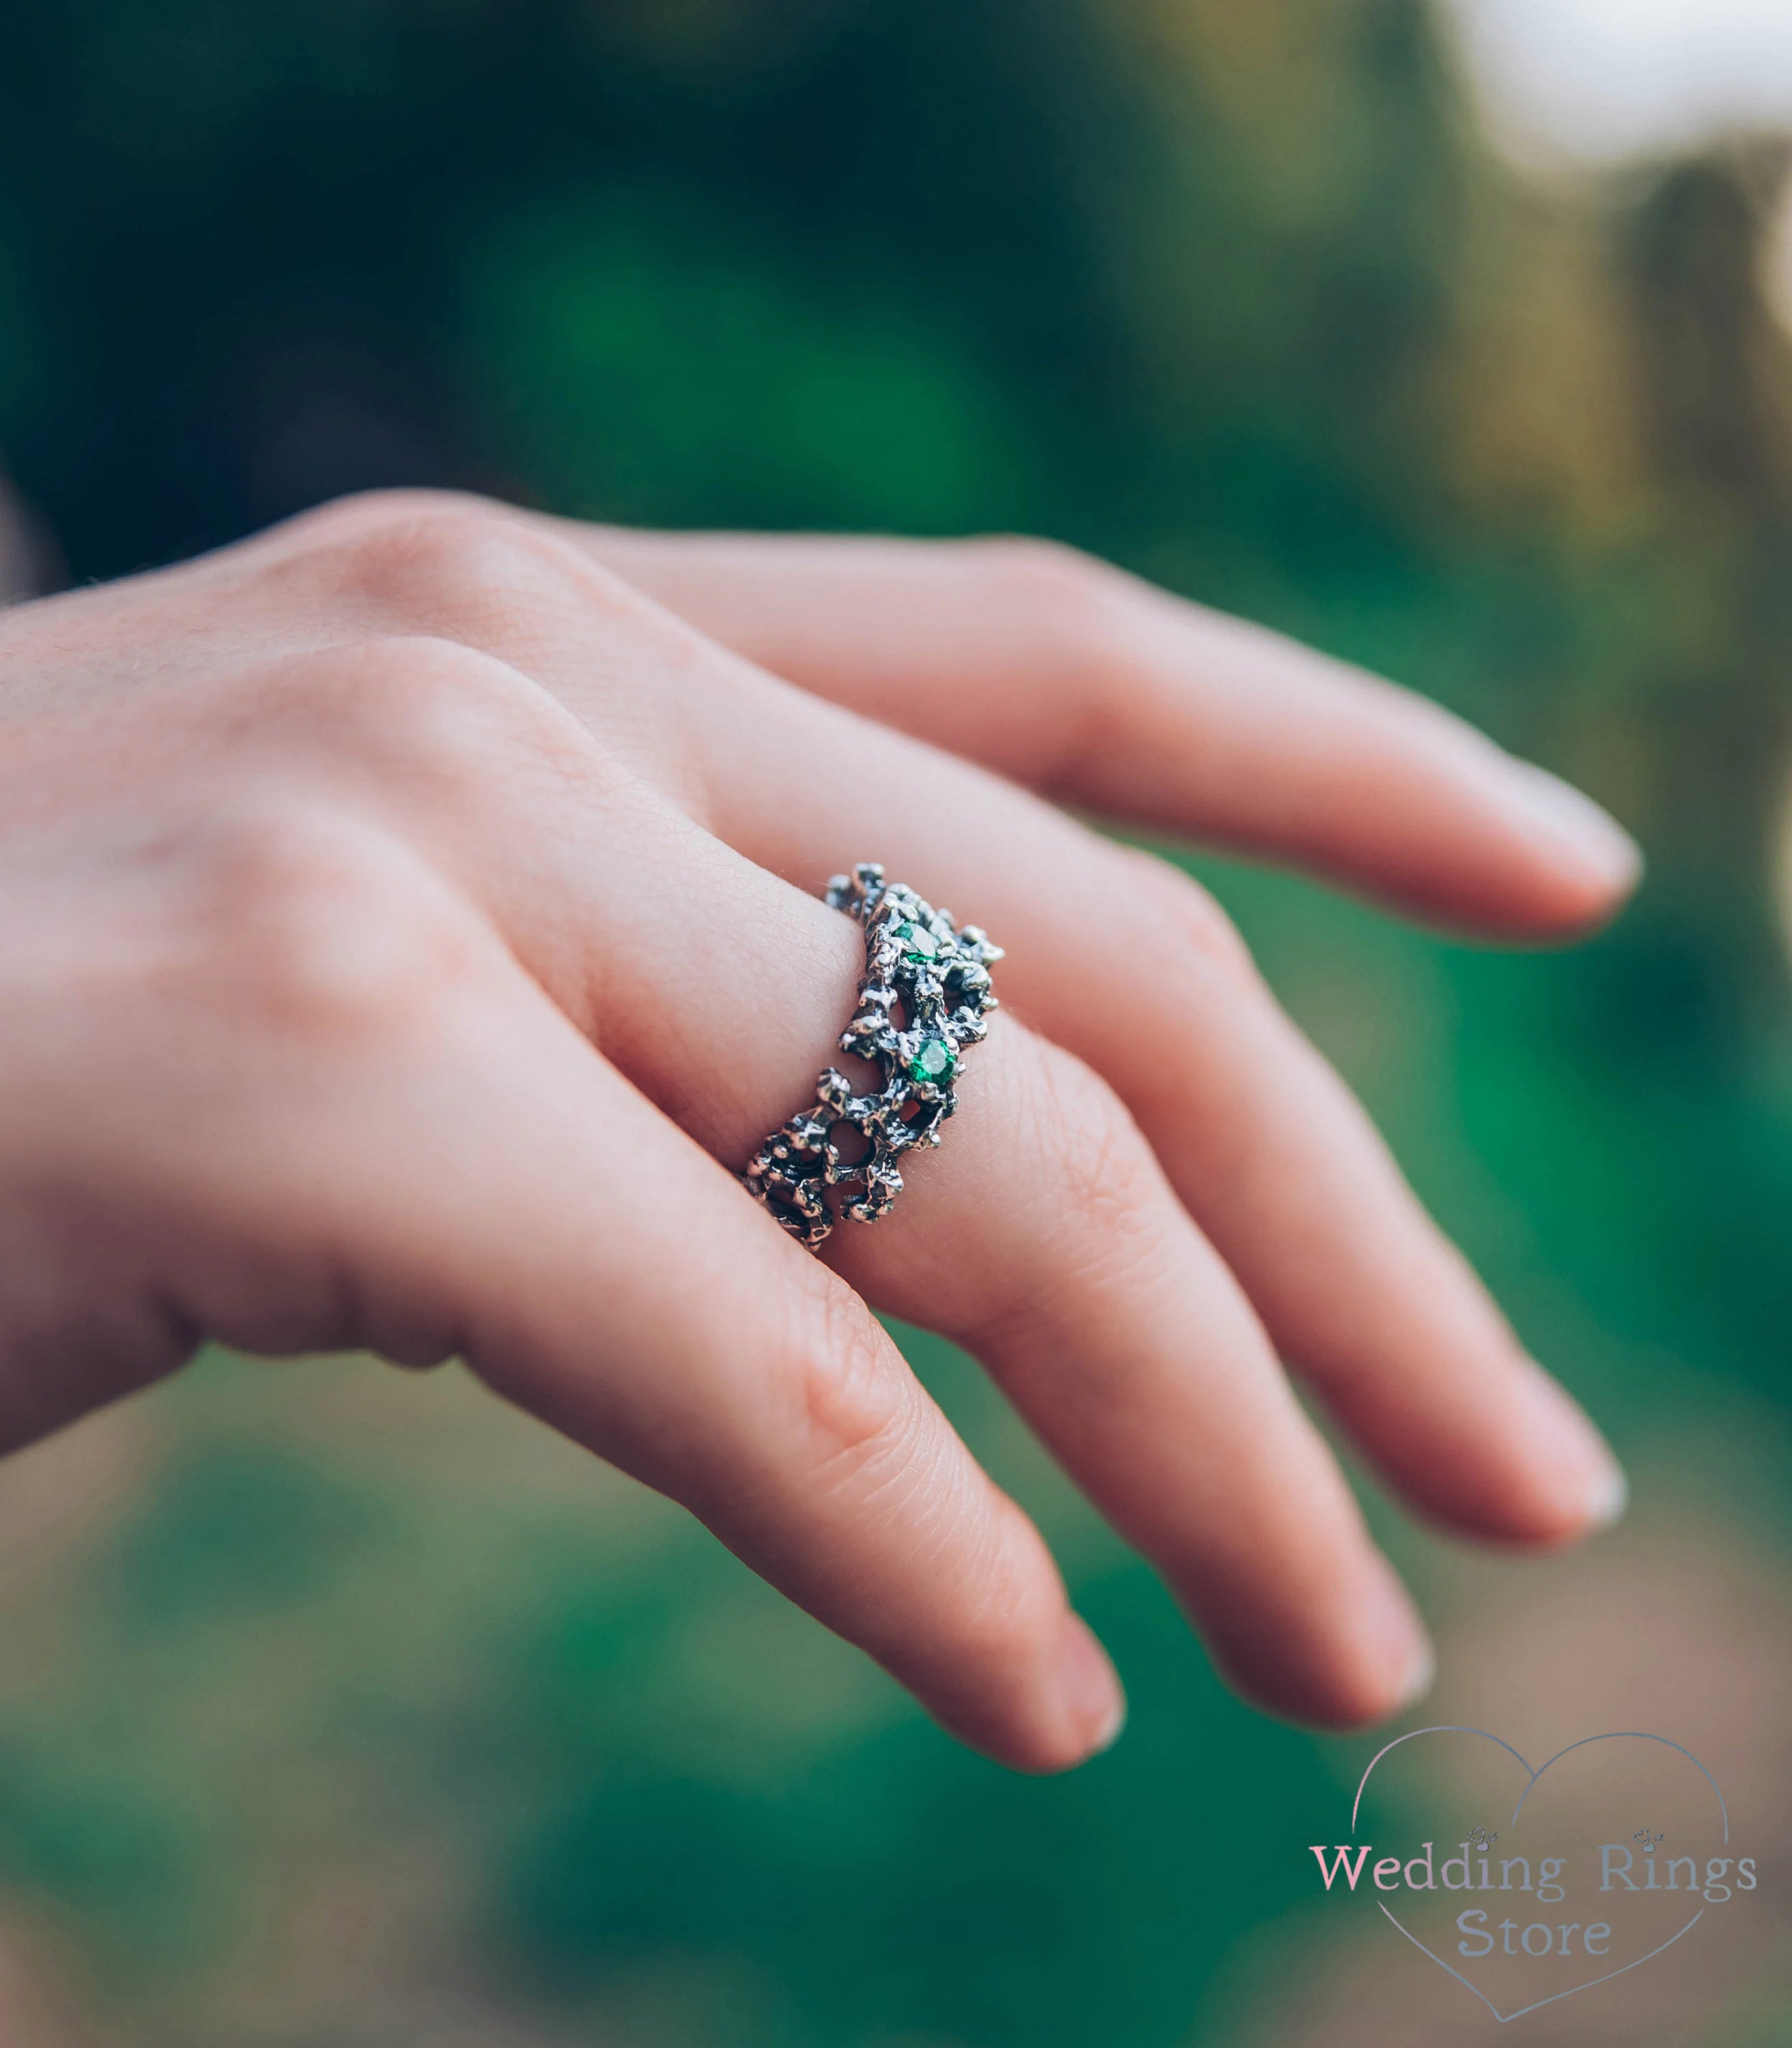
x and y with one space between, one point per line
339 1710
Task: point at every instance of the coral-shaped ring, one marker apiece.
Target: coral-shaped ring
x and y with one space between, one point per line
924 999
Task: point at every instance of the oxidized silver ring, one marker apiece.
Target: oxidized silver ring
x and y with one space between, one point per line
924 999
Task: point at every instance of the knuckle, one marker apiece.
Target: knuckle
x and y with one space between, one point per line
467 568
1100 1176
436 708
1174 905
1070 607
859 1410
421 561
1008 1592
342 518
308 924
1077 619
1014 1606
1056 586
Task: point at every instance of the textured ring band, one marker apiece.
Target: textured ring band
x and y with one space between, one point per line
924 998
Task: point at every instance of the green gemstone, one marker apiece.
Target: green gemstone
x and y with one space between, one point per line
934 1060
918 943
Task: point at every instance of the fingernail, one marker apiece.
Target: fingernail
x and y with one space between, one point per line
1400 1640
1091 1689
1578 827
1589 1482
1420 1673
1610 1497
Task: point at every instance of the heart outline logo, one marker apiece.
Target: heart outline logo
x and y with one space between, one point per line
1531 1777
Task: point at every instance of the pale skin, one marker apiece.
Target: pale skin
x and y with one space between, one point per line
410 920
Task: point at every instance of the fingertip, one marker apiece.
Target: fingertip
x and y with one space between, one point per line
1558 1522
1368 1705
1593 863
1498 847
1393 1662
1546 1480
1609 1499
1345 1660
1073 1713
1093 1701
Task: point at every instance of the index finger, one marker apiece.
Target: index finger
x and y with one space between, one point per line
1096 688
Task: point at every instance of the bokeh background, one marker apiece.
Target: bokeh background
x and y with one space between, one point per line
341 1710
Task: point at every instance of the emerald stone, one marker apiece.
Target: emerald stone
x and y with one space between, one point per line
934 1060
918 943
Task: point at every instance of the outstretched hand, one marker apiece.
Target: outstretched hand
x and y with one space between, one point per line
408 917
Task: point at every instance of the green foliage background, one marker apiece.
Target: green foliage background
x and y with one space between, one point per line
1236 295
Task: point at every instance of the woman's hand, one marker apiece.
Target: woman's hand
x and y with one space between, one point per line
405 922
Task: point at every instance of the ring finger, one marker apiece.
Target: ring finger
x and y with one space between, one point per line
1043 1237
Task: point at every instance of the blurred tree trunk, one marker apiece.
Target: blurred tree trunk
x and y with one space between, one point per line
1714 386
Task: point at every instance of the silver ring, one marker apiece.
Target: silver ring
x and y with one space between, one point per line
923 1000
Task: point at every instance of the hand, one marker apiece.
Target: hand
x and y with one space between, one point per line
404 921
